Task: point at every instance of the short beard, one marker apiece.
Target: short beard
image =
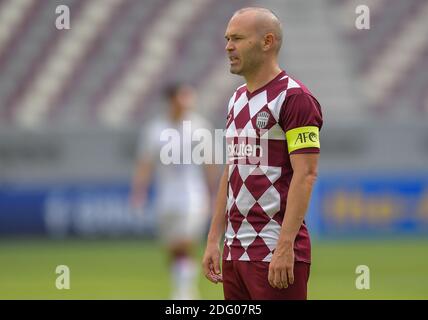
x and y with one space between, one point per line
235 72
253 62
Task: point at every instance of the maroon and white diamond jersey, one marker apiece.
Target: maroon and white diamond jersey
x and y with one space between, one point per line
260 171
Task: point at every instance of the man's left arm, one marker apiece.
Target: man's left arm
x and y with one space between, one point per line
281 273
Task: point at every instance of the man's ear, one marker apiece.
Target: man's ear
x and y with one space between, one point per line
268 41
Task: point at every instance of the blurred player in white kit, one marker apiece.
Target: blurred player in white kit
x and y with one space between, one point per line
182 190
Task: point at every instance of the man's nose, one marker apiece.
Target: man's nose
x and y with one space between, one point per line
229 46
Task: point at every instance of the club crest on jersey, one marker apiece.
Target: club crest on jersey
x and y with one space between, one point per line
262 119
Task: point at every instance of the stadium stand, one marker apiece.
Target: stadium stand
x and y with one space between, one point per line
108 69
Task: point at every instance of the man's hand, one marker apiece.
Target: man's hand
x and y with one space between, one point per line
211 263
212 256
281 267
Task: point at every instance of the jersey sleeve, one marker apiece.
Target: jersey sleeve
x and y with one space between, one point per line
301 119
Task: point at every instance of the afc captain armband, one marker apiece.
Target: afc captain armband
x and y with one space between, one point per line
303 137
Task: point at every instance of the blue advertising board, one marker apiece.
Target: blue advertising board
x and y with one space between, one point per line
73 209
348 205
342 205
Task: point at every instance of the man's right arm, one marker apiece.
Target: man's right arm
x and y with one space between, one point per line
212 256
142 175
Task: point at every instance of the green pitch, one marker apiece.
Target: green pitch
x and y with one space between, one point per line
131 269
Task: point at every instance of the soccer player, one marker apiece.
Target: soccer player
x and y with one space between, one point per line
182 190
261 206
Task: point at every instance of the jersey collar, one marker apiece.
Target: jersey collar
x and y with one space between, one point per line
257 91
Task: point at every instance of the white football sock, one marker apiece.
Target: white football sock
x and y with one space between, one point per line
184 273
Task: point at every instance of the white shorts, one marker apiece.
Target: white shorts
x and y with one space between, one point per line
176 226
